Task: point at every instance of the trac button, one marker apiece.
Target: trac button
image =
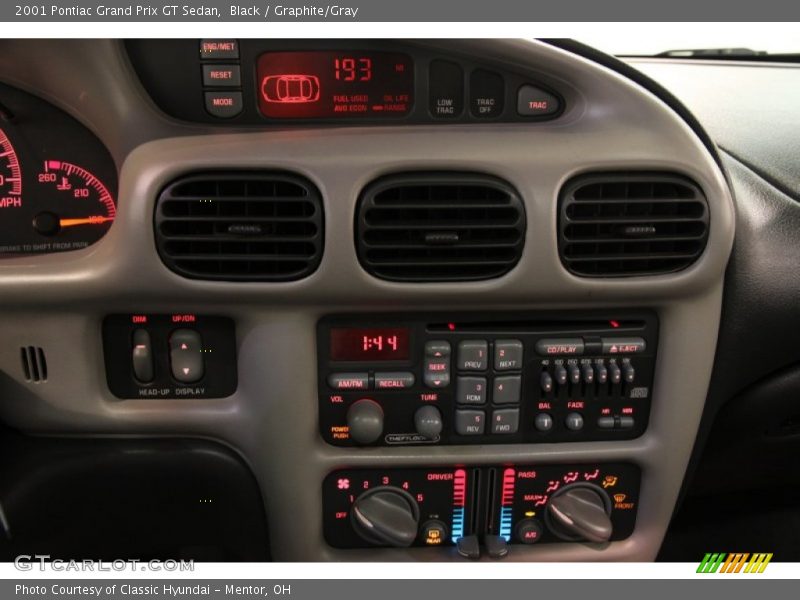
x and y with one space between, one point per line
535 102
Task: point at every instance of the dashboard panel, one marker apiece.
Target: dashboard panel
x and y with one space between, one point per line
125 323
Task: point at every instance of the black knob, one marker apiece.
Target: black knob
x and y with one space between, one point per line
428 422
580 512
365 421
386 516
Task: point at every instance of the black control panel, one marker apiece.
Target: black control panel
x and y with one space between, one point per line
170 356
480 509
466 379
260 82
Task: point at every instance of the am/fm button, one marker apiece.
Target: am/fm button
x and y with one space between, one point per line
535 102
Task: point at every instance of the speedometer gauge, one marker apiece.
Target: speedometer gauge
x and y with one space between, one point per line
57 181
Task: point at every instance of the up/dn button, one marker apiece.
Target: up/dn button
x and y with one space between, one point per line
185 355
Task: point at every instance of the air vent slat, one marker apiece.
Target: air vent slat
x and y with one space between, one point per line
617 225
240 226
440 227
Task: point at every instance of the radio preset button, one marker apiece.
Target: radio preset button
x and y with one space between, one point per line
470 422
506 390
348 381
560 346
507 355
394 381
505 421
471 390
472 355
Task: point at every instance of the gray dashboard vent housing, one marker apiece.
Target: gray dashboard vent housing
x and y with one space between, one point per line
439 227
240 226
635 224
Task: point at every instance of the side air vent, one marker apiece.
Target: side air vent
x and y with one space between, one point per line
631 224
240 226
439 227
34 364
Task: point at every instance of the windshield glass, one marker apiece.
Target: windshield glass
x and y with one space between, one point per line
655 43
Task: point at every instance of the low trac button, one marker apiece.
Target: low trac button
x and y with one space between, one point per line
348 381
394 381
446 89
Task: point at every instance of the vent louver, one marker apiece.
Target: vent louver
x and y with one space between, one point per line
631 224
439 227
240 226
34 364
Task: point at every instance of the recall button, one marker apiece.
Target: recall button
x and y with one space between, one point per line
535 102
349 381
559 346
222 76
224 104
394 381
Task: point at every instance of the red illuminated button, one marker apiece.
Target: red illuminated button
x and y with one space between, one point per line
224 104
632 345
535 102
348 381
394 381
560 346
222 76
219 49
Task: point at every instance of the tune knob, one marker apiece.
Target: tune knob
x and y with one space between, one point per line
580 512
365 421
386 516
428 422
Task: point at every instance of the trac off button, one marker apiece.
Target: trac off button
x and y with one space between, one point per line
535 102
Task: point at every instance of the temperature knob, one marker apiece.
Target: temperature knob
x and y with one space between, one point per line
365 421
386 516
580 512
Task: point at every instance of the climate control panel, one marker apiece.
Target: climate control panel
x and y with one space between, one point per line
480 509
407 380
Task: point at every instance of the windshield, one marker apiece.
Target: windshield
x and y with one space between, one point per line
720 43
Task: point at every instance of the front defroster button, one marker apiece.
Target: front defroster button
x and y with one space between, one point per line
185 355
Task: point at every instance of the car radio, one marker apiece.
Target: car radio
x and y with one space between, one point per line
469 379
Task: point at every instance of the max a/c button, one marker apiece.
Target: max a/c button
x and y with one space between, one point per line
535 102
224 104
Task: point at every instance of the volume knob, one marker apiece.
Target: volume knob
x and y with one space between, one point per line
365 421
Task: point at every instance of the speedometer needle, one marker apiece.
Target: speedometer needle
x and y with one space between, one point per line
93 220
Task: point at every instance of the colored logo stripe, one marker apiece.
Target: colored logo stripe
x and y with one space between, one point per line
735 562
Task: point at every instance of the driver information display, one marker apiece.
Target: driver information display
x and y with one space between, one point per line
335 84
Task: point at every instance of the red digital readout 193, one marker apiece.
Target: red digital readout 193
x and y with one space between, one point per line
327 84
349 344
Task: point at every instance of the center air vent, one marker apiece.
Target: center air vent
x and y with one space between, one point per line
631 224
240 226
439 227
